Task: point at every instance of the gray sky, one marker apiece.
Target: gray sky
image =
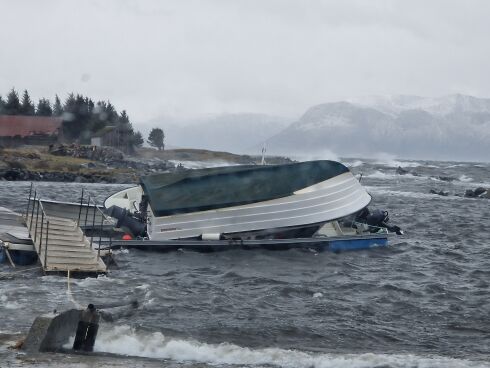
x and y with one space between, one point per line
187 58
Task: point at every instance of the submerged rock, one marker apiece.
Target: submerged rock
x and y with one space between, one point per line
479 192
439 192
446 178
401 171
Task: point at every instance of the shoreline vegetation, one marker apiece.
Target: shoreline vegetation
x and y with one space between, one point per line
89 164
118 157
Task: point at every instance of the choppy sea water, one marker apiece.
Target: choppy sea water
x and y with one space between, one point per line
422 302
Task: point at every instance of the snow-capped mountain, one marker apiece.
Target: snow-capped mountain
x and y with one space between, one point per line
451 127
445 105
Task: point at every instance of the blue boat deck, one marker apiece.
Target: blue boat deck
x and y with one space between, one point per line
334 244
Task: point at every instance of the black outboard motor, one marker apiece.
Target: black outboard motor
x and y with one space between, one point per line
127 220
377 218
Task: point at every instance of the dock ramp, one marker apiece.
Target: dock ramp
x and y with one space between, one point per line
59 242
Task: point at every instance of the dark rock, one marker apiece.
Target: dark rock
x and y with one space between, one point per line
479 191
401 171
446 178
440 192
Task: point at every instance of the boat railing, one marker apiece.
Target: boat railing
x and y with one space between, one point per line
91 206
34 204
363 228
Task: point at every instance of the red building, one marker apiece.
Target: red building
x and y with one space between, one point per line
18 129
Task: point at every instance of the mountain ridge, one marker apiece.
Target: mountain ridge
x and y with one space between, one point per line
448 127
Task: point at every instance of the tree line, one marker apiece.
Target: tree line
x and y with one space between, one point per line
82 117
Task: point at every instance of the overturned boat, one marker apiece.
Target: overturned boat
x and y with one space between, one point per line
239 202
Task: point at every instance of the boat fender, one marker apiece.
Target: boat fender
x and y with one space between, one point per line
211 236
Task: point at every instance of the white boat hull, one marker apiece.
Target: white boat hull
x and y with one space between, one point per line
323 202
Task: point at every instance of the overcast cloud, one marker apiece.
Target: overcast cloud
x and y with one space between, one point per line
188 58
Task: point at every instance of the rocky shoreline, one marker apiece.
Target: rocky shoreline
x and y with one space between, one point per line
74 163
479 192
89 164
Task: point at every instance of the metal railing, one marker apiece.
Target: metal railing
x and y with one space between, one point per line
34 204
37 220
91 206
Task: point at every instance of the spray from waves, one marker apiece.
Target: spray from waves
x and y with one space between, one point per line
203 164
126 341
316 155
396 163
382 175
397 193
6 303
385 159
355 163
465 178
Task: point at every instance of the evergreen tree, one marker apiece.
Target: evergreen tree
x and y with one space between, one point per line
78 118
125 133
44 108
2 106
57 108
155 138
27 107
138 139
12 106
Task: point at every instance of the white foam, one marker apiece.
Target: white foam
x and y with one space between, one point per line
377 174
355 163
380 175
465 178
126 341
316 155
203 164
386 159
387 192
8 304
317 295
396 163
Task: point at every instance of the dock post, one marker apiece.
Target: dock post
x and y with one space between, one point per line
32 213
37 220
80 210
46 246
41 239
100 235
86 210
93 226
29 200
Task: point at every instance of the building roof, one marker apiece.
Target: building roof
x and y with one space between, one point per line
23 126
105 130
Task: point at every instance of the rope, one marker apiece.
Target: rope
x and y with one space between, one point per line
69 294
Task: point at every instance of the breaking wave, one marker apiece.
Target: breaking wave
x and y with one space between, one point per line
388 160
202 164
6 303
386 176
398 193
465 178
127 341
355 163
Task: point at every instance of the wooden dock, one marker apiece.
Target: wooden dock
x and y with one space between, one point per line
59 242
62 246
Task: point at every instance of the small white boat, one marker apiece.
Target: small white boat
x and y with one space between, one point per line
243 202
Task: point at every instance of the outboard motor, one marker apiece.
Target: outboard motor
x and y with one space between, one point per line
377 218
127 220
